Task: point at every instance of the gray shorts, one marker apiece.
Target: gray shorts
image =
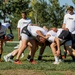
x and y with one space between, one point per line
25 36
68 43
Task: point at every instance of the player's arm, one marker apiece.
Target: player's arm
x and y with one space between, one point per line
10 29
64 27
40 34
19 37
64 24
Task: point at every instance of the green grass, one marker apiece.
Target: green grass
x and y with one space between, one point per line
45 66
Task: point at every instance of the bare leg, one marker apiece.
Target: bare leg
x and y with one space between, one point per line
53 47
41 51
21 49
1 48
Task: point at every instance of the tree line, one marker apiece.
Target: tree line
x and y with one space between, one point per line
40 12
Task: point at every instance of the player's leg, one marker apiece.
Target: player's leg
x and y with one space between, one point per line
53 48
1 49
69 49
24 39
41 51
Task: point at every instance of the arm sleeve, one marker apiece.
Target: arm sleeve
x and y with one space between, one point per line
19 24
64 21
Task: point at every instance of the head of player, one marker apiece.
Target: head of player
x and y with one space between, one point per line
41 39
23 14
70 9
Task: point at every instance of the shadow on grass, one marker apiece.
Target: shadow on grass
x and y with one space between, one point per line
10 45
69 61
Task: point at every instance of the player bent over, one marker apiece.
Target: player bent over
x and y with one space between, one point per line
3 38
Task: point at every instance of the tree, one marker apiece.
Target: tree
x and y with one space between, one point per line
13 8
39 12
73 1
50 14
56 13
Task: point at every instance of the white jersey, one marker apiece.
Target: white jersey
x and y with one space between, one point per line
22 23
6 24
54 34
33 29
2 30
58 32
69 20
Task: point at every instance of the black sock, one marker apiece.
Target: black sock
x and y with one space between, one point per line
11 57
29 56
0 56
73 58
16 60
31 59
60 57
65 53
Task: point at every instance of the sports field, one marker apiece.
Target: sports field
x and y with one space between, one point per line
44 67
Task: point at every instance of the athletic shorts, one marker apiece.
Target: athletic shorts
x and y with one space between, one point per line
68 43
25 36
48 43
2 37
51 39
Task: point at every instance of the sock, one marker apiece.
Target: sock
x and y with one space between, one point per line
56 59
0 56
73 58
16 60
31 59
29 56
60 57
65 53
40 55
11 57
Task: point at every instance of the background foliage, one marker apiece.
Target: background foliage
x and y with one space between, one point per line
41 13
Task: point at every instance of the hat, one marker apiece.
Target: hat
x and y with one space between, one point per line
70 8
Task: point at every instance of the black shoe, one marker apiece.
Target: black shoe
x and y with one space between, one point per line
39 57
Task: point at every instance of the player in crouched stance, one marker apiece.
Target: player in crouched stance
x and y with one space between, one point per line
29 34
3 37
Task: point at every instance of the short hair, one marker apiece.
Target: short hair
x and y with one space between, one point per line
24 12
70 8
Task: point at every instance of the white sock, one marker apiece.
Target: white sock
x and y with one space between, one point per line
56 59
8 55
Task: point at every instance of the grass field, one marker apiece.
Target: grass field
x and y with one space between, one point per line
44 67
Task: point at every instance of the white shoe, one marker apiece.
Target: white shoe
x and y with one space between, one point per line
10 60
22 55
56 63
16 46
5 58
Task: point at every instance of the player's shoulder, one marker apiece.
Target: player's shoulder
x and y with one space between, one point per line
28 19
73 14
20 20
67 14
3 26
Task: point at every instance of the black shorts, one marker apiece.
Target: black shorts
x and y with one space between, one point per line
73 37
48 43
2 37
